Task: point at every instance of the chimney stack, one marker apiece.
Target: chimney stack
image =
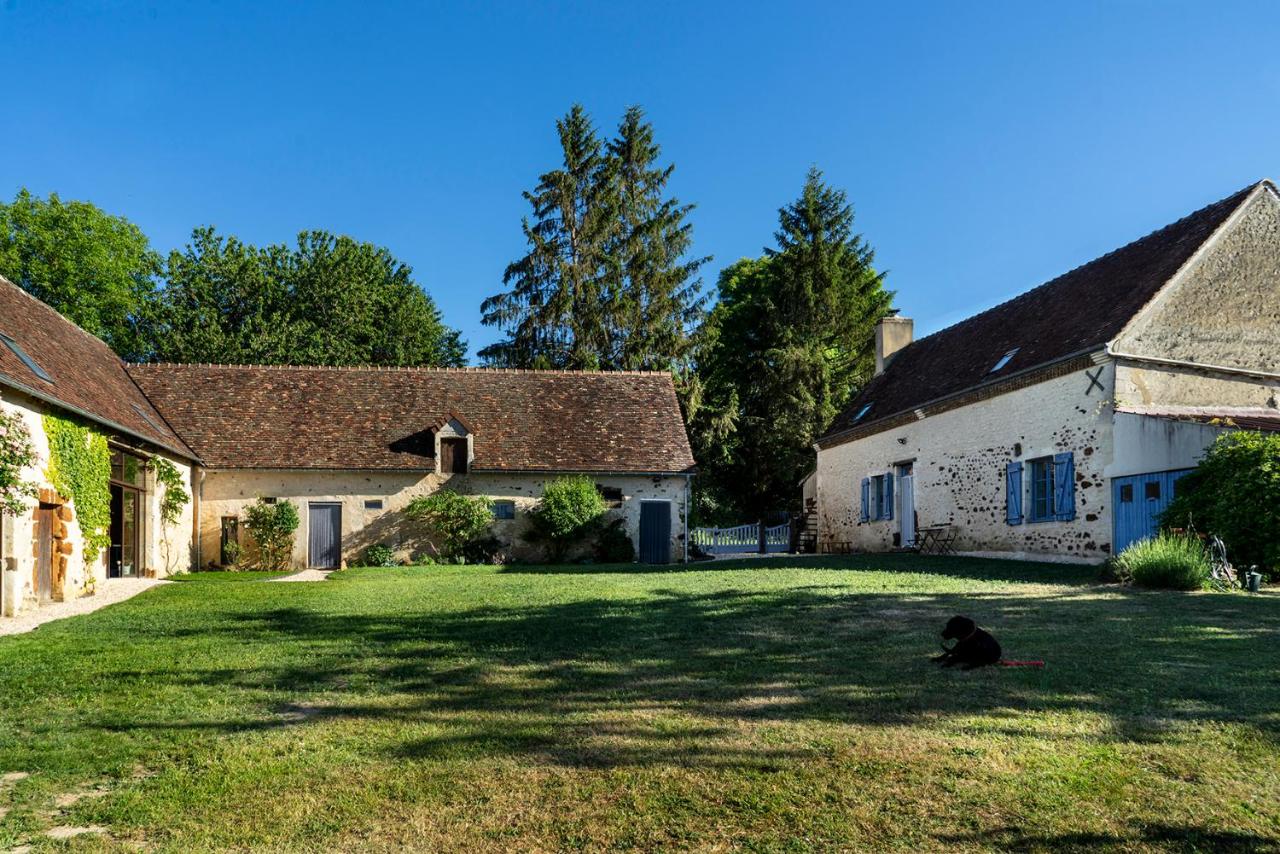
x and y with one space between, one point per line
892 334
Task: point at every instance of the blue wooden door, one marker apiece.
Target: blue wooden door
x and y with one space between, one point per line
1138 500
324 536
655 531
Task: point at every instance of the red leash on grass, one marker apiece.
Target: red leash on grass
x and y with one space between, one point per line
1004 662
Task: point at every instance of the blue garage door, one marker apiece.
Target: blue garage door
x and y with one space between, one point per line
1138 501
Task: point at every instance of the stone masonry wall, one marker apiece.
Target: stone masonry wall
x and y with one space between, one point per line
959 459
227 492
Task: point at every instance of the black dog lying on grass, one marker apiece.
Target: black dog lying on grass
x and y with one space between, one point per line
973 646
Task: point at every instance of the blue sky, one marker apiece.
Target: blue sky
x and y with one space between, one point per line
986 146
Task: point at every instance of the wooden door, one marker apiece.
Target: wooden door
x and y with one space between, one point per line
453 456
45 520
324 536
655 531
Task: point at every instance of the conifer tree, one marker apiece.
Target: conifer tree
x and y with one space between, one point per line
553 312
654 295
606 282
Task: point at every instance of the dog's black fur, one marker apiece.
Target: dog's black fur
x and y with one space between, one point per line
973 647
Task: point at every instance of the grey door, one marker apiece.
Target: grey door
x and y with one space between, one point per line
655 531
324 536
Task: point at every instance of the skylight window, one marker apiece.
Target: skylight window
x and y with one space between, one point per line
861 412
145 417
1004 360
26 360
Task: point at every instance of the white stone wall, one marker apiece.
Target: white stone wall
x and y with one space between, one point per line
959 459
1154 387
168 548
227 492
165 549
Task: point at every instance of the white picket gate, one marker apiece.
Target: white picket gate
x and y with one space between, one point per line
742 539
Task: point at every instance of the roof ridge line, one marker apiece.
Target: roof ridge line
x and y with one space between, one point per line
463 369
1244 193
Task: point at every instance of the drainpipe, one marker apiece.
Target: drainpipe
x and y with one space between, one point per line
688 490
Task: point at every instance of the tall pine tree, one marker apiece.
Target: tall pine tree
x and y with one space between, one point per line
655 297
553 312
786 347
607 282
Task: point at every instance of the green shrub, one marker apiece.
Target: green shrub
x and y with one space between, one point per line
1235 493
379 555
1170 561
452 520
568 513
272 525
614 545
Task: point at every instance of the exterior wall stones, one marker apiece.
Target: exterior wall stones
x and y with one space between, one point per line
1159 387
1224 308
959 458
227 492
165 550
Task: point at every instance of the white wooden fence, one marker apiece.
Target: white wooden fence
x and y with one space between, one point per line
742 539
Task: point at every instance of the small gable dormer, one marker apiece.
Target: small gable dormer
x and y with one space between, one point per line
453 445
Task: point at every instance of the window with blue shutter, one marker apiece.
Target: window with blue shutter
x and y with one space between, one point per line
866 499
1013 493
886 508
1064 487
1040 505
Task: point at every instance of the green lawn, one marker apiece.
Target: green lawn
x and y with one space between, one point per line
783 705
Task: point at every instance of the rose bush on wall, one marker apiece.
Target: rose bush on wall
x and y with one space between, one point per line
17 453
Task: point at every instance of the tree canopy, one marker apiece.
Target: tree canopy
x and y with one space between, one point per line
787 345
327 300
607 281
96 269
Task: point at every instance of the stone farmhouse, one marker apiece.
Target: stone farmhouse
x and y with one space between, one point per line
349 446
1056 424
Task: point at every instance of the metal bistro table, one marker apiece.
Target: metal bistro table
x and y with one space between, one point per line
936 540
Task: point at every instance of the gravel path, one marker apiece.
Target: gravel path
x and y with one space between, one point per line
305 575
110 591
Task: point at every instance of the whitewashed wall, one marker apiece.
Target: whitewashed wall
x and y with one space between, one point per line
227 493
959 461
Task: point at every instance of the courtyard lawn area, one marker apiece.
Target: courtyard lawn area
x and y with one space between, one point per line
784 705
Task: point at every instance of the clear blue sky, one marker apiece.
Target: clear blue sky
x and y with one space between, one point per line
986 147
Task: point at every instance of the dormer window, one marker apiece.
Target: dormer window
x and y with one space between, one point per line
453 446
1004 360
25 359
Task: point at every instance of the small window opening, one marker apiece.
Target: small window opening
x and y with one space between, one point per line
269 499
1004 360
373 504
612 495
25 359
1151 489
1126 493
504 510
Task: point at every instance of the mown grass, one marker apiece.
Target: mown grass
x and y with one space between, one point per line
786 704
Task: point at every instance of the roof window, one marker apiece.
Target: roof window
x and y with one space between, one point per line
861 412
1004 360
26 360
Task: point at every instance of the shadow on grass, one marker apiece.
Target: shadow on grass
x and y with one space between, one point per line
955 567
1164 836
576 682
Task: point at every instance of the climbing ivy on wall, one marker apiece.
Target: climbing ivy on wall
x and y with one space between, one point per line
16 454
175 495
80 469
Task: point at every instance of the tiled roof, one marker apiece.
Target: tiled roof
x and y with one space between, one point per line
1249 419
85 376
245 416
1077 312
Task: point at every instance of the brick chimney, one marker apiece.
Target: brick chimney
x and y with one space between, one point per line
892 334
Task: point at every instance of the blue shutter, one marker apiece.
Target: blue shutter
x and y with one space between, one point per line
1064 487
1013 493
866 499
886 512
